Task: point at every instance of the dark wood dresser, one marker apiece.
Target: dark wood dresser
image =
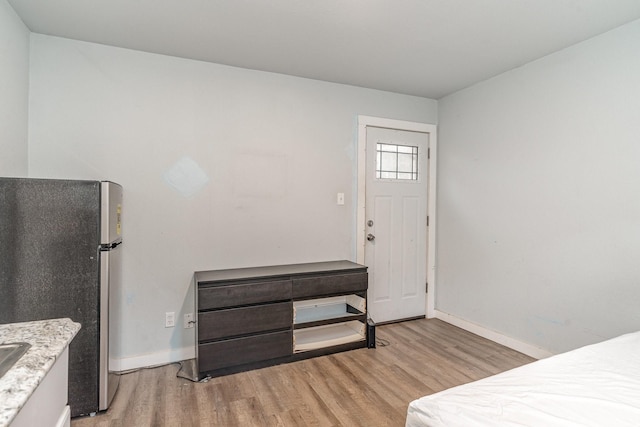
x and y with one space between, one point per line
254 317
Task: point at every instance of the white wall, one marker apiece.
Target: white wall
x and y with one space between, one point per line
14 92
276 150
539 197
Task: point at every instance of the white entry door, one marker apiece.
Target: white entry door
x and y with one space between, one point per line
396 232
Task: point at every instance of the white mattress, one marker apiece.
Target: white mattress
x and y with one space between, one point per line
596 385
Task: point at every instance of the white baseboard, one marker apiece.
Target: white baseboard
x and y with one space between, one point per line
152 359
185 353
522 347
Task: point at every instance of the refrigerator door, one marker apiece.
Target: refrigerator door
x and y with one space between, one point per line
110 280
111 207
49 268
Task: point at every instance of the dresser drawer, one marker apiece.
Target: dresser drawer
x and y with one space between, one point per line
210 297
244 320
306 287
240 351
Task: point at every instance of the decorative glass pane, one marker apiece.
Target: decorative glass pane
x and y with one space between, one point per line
389 162
405 163
397 162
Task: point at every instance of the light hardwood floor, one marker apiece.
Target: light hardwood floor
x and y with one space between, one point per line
365 387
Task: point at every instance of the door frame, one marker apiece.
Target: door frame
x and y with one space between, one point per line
368 121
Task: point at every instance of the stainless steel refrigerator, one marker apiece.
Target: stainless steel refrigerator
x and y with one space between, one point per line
60 244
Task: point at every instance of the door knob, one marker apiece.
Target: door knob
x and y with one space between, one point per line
371 237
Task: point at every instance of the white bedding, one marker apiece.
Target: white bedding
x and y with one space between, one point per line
596 385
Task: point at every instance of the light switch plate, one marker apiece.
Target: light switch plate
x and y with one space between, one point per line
169 319
340 198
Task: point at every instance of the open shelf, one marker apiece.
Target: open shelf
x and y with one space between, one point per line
324 309
328 335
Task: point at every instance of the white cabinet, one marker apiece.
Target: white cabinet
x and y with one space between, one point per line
47 406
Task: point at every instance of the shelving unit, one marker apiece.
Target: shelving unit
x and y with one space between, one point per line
317 310
319 337
254 317
326 322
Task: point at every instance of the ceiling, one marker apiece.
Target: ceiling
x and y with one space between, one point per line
427 48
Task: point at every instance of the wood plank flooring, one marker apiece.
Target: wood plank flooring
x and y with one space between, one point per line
365 387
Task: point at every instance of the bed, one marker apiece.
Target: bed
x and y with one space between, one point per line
597 385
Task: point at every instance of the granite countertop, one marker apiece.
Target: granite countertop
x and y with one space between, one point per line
48 339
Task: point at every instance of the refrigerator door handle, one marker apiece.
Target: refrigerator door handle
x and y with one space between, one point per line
109 246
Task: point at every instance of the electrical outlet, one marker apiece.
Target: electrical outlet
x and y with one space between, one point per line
188 321
169 319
